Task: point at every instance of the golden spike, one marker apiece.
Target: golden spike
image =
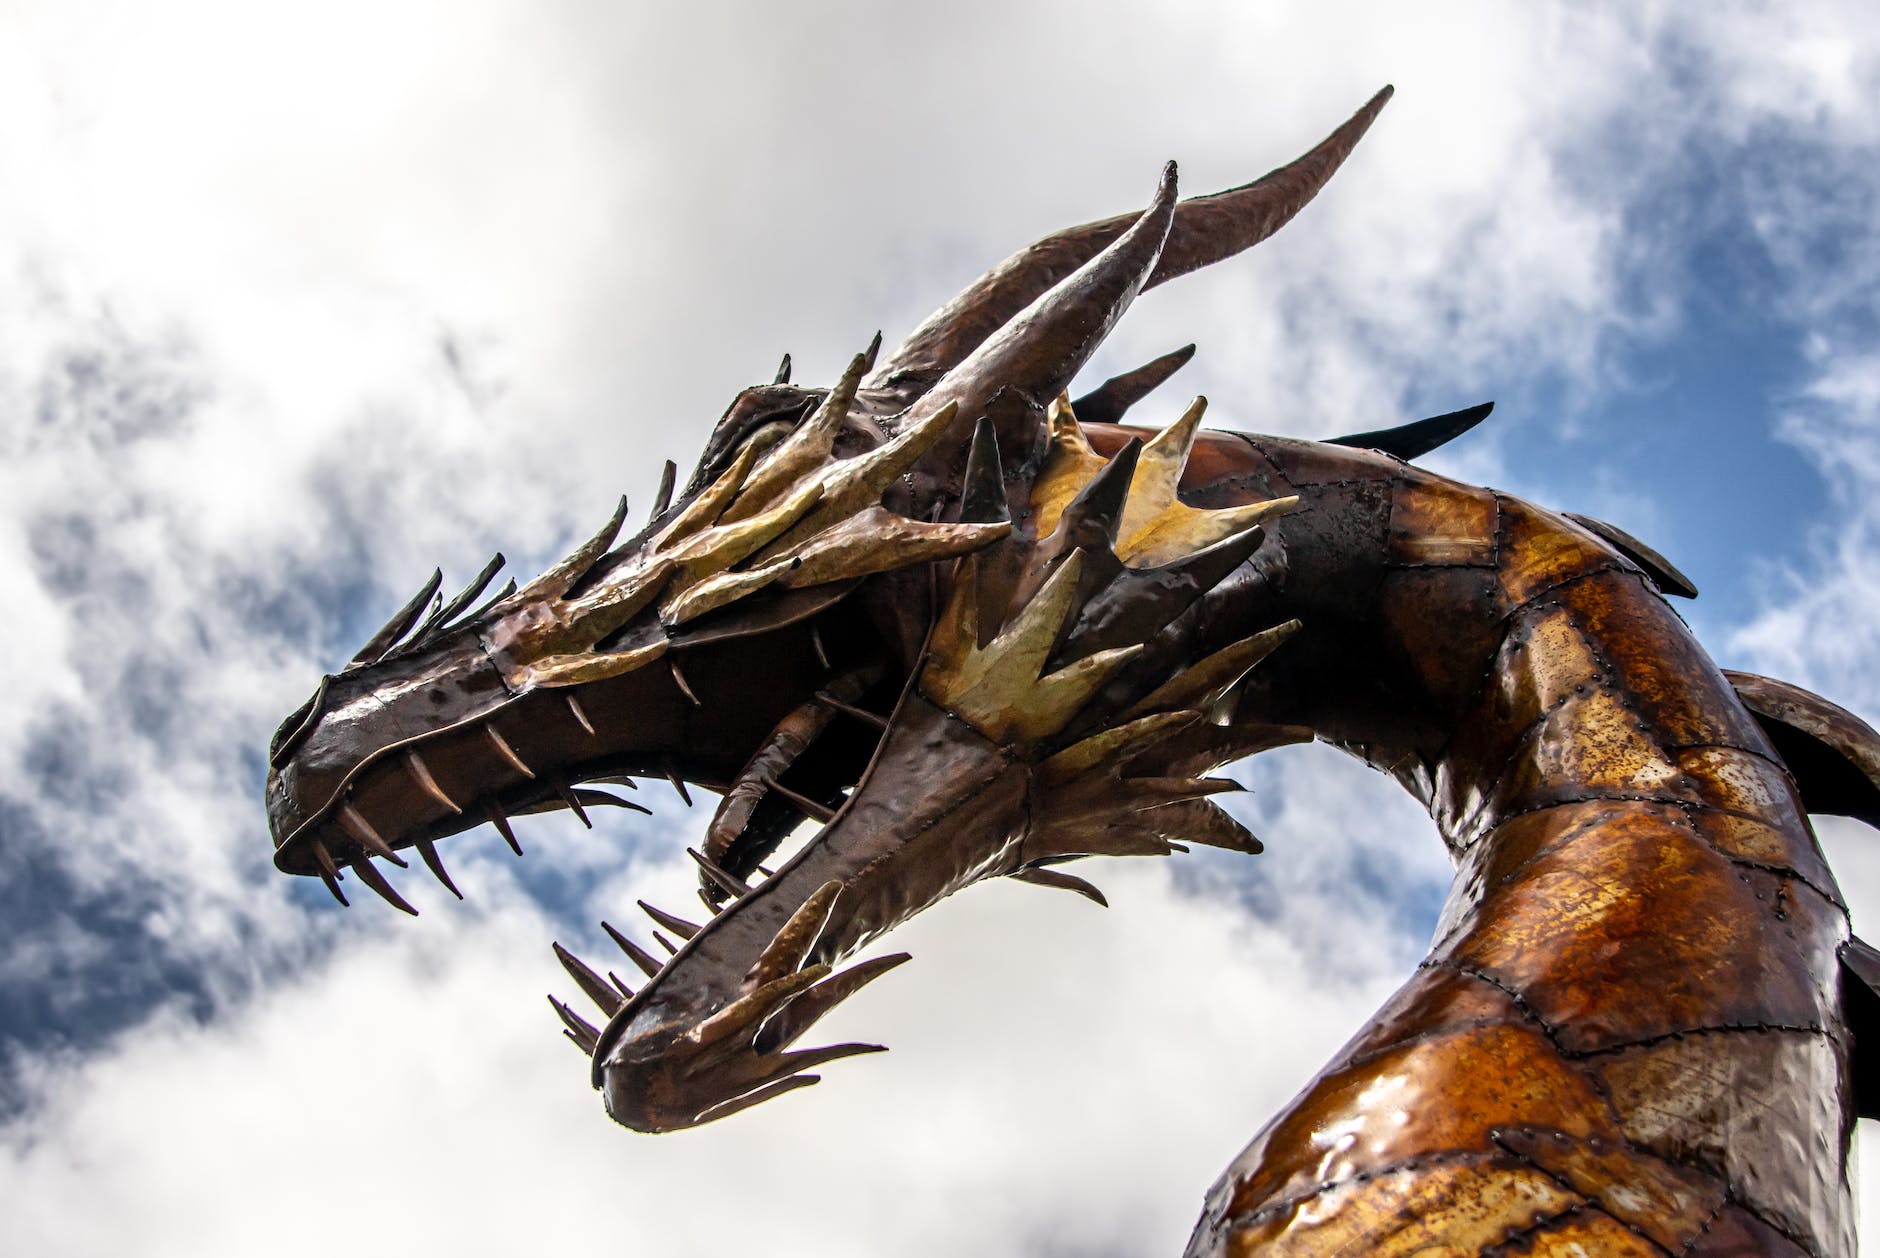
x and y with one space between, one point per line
1182 530
715 549
1008 666
572 670
1069 465
710 504
715 592
1159 472
1057 698
854 483
804 451
559 579
1203 684
1113 746
878 540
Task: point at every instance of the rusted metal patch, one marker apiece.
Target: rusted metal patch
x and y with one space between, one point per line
1439 522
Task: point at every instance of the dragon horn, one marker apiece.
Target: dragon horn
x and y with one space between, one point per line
1038 351
1206 230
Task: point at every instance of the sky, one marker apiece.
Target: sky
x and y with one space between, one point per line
299 303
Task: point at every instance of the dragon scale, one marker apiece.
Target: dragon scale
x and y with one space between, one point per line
967 627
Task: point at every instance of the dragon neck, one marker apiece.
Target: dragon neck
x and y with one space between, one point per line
1634 979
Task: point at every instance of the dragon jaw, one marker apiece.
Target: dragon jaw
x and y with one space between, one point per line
999 597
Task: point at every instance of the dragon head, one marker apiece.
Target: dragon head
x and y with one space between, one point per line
963 625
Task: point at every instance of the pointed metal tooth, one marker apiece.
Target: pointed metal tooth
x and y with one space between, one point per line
370 875
428 784
587 980
575 1040
402 619
672 949
982 493
678 784
783 371
677 925
573 801
332 884
497 818
872 352
607 799
685 687
1064 881
427 849
507 752
636 954
815 640
584 1035
705 897
861 714
355 824
323 857
724 878
668 477
626 993
581 717
821 812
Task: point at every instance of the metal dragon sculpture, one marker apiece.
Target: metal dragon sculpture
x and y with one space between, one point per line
971 629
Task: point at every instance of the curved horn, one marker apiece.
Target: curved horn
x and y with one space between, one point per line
1037 351
1206 230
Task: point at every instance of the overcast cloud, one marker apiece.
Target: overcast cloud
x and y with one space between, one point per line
303 304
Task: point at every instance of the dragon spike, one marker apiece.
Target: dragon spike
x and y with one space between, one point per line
1203 684
607 799
598 989
703 511
873 351
672 949
580 715
804 450
721 877
754 1006
809 1008
1109 401
783 371
402 619
668 477
323 857
1204 231
1038 350
1201 821
678 677
478 583
678 784
354 823
499 819
332 884
982 494
879 540
791 946
626 993
370 875
421 773
571 798
427 849
1160 469
677 925
726 1109
585 1037
636 954
1070 464
1103 506
561 578
1114 746
1063 881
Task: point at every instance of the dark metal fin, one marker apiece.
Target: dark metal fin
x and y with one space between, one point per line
1860 1005
1063 881
668 477
1107 403
1833 755
1413 441
404 618
783 371
1662 571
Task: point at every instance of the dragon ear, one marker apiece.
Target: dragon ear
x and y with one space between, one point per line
1206 230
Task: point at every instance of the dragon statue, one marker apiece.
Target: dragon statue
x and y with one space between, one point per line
954 625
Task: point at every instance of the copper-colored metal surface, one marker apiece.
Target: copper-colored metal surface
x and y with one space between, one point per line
971 634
